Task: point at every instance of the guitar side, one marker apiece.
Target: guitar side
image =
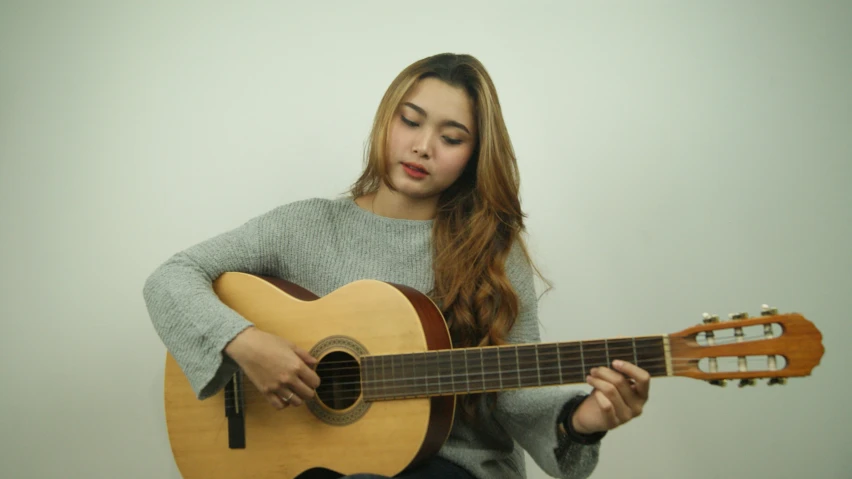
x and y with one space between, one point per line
320 440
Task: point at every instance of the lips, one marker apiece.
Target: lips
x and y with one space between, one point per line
416 167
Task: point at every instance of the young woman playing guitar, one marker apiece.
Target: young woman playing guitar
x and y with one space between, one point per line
436 209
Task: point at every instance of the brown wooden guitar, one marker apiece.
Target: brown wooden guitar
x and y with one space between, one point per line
390 377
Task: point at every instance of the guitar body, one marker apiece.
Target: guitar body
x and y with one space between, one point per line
316 440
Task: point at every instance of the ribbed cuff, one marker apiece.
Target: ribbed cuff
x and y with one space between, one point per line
565 419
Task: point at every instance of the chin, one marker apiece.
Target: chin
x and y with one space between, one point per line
406 187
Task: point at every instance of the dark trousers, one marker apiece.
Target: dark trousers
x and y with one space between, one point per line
434 468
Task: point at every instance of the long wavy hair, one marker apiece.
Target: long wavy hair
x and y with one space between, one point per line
478 218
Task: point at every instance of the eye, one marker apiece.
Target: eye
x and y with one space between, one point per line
452 141
407 121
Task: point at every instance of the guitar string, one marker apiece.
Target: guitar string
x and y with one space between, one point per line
719 341
387 388
543 349
548 369
354 370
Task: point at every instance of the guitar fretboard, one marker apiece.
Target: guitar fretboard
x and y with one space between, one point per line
499 368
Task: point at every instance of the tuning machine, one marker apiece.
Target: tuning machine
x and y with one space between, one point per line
711 340
766 310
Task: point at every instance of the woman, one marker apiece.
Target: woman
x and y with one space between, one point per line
436 209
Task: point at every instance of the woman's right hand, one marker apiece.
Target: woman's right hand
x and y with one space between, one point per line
281 371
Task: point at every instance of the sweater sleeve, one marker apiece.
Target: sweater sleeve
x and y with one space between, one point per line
194 325
531 416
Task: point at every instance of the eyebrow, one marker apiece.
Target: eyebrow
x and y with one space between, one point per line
446 123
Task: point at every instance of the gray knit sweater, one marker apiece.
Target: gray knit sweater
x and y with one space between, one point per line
323 244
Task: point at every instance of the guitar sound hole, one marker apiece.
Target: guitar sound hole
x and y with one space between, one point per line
340 380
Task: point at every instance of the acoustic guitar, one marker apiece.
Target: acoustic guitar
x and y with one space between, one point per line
390 377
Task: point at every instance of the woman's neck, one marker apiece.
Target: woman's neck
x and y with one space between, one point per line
392 204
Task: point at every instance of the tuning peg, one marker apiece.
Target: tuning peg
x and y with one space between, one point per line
746 382
710 318
766 310
718 382
774 381
735 316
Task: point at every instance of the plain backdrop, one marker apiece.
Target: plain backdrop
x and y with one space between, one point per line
676 157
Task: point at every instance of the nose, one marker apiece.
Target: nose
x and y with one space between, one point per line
422 145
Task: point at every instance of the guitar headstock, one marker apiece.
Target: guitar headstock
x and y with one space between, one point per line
770 346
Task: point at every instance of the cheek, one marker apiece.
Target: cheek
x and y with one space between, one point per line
396 139
455 160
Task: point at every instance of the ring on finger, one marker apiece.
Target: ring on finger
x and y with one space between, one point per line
287 399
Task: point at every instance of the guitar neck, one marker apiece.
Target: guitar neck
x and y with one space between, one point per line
508 367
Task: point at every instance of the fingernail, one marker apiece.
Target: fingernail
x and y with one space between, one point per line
617 363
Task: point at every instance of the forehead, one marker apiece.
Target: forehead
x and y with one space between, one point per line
441 101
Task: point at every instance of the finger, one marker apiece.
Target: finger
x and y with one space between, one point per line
289 397
639 375
276 401
607 408
309 377
620 411
302 392
619 381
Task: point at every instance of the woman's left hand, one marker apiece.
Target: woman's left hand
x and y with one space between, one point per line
618 397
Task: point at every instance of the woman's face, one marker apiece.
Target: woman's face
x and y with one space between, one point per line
431 139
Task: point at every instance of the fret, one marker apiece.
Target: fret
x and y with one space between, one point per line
622 349
651 356
391 385
466 369
549 369
379 382
411 372
508 368
518 362
474 369
461 381
451 372
537 367
365 374
635 358
369 381
403 388
529 365
571 362
382 382
595 354
490 369
418 374
445 372
428 379
559 363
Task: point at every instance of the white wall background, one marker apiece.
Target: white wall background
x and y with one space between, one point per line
677 157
